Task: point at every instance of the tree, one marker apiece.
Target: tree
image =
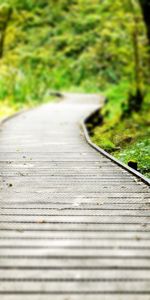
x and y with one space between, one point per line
5 16
145 6
135 98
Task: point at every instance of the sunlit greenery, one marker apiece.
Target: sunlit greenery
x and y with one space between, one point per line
66 44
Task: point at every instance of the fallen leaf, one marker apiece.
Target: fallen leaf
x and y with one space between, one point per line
41 221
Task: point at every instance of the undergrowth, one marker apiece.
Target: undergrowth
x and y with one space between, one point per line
128 139
65 45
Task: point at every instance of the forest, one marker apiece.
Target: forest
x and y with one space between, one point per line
98 46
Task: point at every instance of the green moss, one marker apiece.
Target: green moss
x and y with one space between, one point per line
127 139
139 152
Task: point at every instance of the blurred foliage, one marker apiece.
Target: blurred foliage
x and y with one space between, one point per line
66 44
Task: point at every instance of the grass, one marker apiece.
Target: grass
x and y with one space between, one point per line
127 139
137 151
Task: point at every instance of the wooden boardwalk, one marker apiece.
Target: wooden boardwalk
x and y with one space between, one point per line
73 224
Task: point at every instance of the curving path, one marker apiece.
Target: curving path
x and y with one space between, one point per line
73 224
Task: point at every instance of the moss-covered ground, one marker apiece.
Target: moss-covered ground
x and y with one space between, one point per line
128 139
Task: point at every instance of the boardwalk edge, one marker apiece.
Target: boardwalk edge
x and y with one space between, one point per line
106 154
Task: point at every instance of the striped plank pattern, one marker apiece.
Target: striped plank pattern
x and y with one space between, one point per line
73 224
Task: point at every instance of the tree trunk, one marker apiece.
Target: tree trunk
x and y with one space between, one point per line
3 31
135 98
145 6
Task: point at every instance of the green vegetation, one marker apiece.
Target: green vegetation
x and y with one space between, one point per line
79 45
126 138
65 44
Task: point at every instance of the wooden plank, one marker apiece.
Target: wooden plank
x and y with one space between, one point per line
58 226
79 233
75 275
64 263
40 296
73 253
81 287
